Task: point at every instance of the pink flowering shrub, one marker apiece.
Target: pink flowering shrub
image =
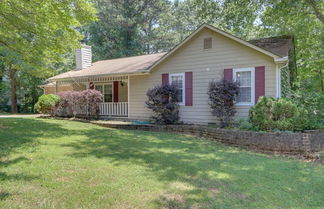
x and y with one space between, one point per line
79 102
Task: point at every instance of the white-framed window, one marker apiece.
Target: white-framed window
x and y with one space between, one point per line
178 80
245 77
106 90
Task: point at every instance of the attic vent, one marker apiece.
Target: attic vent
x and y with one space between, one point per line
208 43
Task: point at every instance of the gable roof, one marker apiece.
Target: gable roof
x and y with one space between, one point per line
127 65
228 35
275 47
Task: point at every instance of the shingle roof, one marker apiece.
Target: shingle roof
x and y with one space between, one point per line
279 45
127 65
275 46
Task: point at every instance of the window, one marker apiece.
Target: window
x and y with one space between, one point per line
245 77
178 81
106 90
208 43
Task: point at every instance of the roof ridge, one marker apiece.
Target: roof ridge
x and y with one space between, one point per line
131 57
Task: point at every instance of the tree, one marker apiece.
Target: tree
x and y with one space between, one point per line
35 33
127 28
263 18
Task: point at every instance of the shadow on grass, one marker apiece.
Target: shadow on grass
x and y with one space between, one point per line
18 135
209 168
209 173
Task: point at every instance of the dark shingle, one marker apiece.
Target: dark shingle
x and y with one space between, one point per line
279 45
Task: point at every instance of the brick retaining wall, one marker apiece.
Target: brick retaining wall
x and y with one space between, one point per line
292 143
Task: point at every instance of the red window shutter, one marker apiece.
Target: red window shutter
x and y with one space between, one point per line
188 87
116 91
228 74
165 81
165 78
259 82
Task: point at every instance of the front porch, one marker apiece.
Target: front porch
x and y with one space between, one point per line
115 91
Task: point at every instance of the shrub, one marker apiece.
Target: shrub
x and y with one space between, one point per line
277 114
86 101
47 103
222 95
243 124
313 102
163 101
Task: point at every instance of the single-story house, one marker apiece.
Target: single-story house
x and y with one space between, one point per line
207 54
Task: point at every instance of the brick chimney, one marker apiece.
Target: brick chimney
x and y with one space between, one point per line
83 57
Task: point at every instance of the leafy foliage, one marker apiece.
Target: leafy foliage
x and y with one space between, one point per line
86 101
128 28
313 102
278 114
244 124
35 34
222 95
163 101
46 104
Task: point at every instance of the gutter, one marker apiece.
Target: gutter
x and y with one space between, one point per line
94 76
281 60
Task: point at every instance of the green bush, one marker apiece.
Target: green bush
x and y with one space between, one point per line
47 103
313 102
243 124
278 114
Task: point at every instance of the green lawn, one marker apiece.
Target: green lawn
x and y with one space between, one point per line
66 164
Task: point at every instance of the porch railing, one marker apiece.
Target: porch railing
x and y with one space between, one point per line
113 109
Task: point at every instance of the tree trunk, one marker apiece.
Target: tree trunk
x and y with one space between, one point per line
13 89
321 79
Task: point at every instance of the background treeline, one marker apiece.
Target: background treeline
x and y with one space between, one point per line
37 38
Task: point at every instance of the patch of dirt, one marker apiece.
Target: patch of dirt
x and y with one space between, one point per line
63 179
213 191
173 201
3 126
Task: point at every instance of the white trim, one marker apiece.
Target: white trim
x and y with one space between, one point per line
128 94
183 85
278 81
103 90
281 60
274 56
252 70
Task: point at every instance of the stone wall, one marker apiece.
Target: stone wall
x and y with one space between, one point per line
292 143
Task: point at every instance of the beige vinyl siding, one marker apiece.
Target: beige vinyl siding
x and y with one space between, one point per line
79 87
49 90
206 65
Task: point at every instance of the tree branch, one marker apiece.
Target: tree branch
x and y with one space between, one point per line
317 11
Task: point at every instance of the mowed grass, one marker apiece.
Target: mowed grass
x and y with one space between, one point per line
48 163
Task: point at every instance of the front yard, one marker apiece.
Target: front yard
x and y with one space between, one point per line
66 164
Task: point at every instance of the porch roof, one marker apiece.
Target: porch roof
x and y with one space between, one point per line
127 65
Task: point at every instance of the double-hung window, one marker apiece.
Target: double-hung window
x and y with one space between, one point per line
178 80
245 78
106 90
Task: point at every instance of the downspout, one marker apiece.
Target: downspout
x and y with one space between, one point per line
279 61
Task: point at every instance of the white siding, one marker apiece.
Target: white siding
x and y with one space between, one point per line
83 57
206 65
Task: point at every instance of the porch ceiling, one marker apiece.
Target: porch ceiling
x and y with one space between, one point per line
93 79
